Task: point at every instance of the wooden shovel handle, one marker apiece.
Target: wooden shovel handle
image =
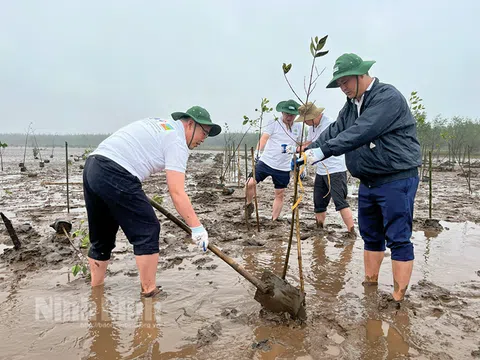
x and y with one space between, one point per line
236 266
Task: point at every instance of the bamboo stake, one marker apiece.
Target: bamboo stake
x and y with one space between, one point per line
66 171
295 192
255 188
299 252
429 184
246 181
238 167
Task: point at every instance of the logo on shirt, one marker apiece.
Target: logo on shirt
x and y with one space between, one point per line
166 126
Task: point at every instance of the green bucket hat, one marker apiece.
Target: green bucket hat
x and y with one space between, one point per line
201 116
347 65
288 106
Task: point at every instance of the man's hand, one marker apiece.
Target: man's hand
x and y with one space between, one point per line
200 237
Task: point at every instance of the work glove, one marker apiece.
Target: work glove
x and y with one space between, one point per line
300 166
200 237
257 157
303 174
313 156
288 149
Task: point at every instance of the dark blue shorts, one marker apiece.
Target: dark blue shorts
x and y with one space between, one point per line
385 216
114 198
280 178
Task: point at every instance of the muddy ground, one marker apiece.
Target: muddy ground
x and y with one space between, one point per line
208 310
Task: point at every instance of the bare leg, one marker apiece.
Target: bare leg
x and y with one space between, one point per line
97 271
402 272
348 219
320 218
372 261
278 203
249 190
147 267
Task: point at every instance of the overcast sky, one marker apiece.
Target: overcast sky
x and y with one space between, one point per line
94 66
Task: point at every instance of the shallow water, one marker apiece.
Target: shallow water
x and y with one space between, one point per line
52 314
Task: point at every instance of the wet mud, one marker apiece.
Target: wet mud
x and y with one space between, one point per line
209 311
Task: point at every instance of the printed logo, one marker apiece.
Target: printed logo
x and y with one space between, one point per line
166 126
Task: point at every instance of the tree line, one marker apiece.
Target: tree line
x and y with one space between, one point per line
453 139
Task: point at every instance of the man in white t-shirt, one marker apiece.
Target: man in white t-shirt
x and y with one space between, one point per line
325 188
271 162
113 191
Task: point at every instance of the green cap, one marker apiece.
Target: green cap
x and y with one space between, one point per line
288 106
348 65
201 116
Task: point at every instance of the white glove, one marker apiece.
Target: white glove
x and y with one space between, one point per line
200 237
314 155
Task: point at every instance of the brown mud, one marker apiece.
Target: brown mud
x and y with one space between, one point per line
209 311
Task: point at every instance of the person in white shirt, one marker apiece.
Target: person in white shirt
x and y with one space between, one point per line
112 184
271 162
337 170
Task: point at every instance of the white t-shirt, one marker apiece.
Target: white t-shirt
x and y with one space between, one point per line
334 164
279 134
147 146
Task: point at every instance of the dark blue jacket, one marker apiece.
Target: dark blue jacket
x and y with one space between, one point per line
381 144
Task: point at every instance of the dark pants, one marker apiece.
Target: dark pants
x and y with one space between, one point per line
338 191
114 198
385 216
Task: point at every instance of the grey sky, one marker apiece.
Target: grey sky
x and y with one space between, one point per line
94 66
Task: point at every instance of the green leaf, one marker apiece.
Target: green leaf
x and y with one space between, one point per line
75 270
286 68
85 242
321 43
321 53
245 122
312 48
157 198
84 269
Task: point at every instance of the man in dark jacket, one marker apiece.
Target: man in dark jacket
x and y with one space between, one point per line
377 133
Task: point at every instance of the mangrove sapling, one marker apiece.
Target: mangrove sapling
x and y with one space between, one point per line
316 47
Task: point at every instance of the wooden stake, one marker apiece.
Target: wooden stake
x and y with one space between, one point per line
299 252
295 192
11 231
255 188
246 180
238 166
429 184
66 171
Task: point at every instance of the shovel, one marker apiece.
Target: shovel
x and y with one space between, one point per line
273 293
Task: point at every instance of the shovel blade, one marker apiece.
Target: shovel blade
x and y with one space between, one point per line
282 297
